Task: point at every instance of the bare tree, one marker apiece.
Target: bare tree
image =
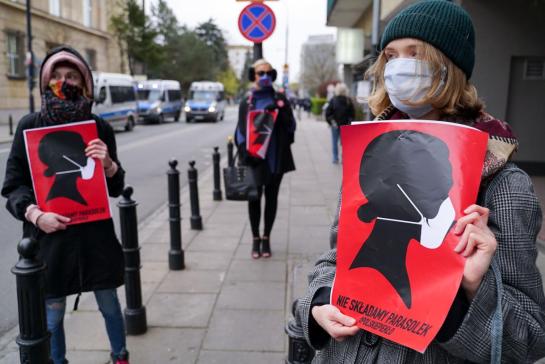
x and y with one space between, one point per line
317 65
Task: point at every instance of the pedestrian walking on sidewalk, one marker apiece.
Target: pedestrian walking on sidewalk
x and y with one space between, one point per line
422 72
339 112
82 257
269 170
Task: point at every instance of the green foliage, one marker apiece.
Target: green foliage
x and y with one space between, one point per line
230 81
167 50
317 105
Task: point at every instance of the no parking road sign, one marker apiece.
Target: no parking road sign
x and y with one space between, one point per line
256 22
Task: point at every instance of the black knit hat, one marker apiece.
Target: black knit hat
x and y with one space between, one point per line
440 23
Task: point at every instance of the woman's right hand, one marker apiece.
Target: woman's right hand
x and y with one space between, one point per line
336 324
49 222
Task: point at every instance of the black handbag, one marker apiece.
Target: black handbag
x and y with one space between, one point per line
239 183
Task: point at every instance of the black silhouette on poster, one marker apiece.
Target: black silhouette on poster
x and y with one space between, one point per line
63 152
406 177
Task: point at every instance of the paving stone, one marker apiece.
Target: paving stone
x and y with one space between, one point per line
309 240
246 330
152 272
86 331
240 357
252 295
309 216
186 281
88 357
243 252
152 252
260 270
195 260
225 244
166 345
180 310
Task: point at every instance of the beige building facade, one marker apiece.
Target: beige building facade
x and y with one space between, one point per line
82 24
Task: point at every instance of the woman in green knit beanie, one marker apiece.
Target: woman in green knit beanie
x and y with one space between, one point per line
423 71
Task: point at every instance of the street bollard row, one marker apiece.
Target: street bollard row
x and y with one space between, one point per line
175 254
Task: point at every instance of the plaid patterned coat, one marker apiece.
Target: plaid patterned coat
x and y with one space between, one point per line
515 219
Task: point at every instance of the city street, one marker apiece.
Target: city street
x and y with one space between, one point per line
144 153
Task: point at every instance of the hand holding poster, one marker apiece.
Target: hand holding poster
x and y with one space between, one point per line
405 183
65 180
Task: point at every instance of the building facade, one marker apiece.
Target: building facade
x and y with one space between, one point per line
82 24
510 61
237 55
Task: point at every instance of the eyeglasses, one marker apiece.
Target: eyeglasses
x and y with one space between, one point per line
262 73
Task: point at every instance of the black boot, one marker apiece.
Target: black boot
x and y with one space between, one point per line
256 245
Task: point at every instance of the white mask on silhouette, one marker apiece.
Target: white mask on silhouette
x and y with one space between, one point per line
434 230
86 171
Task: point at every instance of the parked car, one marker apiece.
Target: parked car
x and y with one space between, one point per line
206 101
115 99
159 99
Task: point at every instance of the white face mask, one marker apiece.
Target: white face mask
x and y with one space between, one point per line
409 79
86 171
434 230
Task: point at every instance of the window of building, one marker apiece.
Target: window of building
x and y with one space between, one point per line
55 7
121 94
88 13
15 54
534 69
174 95
91 58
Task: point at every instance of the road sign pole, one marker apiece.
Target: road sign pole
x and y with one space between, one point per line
258 51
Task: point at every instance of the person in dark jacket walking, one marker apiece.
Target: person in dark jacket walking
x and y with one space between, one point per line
422 72
339 112
268 171
82 257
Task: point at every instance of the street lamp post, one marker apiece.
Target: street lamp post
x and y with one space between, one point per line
29 57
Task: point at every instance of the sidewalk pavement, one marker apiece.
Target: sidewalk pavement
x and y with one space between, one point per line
224 307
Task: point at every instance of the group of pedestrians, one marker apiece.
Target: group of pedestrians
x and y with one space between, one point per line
423 72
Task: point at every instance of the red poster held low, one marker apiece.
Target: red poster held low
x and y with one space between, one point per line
405 183
259 127
65 180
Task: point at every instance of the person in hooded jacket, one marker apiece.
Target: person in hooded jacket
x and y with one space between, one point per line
340 111
498 316
268 171
82 257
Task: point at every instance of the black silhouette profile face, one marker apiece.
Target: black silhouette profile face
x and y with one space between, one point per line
406 177
63 152
263 123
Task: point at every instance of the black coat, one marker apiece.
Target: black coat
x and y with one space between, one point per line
84 257
340 110
284 132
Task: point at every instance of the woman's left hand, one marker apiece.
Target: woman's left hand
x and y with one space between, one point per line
477 244
98 149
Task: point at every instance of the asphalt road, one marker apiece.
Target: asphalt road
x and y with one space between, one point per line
144 153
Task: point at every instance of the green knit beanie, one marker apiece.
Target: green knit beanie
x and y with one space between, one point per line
440 23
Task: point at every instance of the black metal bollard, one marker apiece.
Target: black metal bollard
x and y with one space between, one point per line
10 124
176 253
230 147
217 181
33 339
192 176
135 313
299 351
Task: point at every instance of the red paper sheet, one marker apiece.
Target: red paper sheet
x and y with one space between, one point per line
66 181
260 125
405 183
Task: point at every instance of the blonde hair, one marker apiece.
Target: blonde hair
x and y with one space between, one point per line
261 62
341 89
457 97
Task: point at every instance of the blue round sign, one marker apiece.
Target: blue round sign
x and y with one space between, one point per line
256 22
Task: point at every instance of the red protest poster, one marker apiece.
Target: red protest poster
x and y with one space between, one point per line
405 183
65 180
259 129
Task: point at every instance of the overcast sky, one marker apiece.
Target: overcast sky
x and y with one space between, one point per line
306 17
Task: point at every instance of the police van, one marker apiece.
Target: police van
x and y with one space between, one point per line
159 99
115 99
206 101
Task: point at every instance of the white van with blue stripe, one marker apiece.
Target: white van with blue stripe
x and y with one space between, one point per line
115 99
159 99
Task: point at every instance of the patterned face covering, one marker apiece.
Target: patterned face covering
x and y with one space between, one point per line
63 102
